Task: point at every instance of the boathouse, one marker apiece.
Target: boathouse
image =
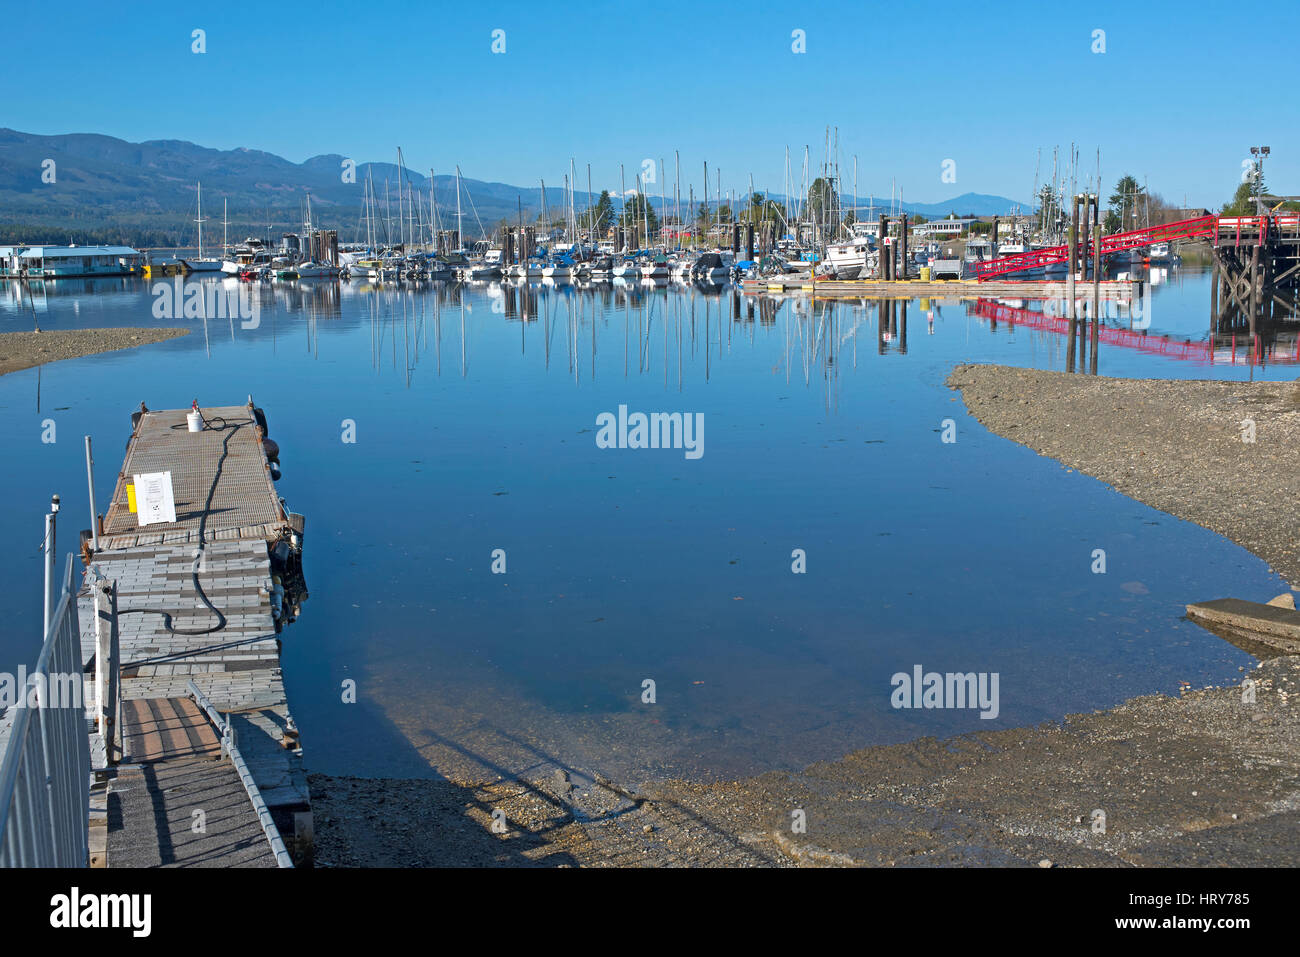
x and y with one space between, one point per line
67 262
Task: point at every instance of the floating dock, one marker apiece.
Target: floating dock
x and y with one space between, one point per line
200 603
932 289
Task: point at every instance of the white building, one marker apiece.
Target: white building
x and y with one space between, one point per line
66 262
946 228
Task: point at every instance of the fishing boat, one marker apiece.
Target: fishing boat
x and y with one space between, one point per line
489 267
849 259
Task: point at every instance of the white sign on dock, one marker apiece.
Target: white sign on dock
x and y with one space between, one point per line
154 500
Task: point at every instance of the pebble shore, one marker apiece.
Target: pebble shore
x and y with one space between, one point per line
23 350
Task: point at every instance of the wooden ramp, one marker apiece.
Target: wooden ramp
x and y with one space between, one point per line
174 802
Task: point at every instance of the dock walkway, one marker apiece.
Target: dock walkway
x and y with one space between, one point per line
934 289
174 802
197 602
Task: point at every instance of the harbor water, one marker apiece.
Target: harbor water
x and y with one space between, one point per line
500 587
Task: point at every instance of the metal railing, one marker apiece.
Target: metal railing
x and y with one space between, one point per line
231 750
45 771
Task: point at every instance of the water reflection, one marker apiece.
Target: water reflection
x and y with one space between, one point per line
475 408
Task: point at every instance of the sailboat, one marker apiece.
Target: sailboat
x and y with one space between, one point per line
228 265
201 264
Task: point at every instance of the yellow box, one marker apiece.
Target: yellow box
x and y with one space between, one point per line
130 497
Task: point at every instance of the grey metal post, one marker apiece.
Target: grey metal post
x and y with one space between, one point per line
49 564
90 482
106 665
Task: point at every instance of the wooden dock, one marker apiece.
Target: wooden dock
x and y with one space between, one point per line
201 599
933 289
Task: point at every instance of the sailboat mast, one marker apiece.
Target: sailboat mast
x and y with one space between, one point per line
459 243
401 221
677 194
200 220
709 221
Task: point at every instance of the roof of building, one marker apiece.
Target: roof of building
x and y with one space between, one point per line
45 252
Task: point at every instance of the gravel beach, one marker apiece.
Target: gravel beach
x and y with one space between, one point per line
23 350
1204 779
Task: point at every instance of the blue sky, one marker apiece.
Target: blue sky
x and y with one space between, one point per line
908 84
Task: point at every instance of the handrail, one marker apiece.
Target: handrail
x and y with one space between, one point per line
1183 229
45 771
229 747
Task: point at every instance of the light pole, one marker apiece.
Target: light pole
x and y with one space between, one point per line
1259 152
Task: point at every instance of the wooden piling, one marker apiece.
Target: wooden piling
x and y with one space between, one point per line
903 235
1073 266
1096 282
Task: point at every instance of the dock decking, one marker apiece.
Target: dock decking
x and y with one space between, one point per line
228 515
228 464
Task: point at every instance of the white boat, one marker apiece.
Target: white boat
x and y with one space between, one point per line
656 269
627 269
851 258
490 267
559 270
311 270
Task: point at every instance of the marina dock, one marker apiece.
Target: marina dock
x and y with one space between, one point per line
200 602
934 288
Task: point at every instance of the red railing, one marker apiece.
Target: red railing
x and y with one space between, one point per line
1136 339
1196 228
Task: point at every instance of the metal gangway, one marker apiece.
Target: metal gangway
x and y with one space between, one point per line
45 770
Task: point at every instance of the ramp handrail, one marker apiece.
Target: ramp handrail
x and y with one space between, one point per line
1195 228
45 771
231 749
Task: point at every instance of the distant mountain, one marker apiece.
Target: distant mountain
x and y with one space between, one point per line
105 185
967 204
106 189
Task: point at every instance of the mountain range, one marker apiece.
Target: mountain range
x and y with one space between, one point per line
107 189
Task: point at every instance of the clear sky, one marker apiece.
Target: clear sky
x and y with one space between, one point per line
1179 95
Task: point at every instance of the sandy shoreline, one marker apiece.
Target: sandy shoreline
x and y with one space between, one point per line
24 350
1204 779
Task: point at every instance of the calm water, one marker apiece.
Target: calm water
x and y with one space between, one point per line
476 430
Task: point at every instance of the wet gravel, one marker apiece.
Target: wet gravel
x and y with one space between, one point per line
23 350
1203 779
